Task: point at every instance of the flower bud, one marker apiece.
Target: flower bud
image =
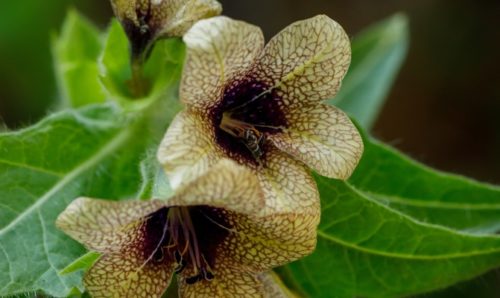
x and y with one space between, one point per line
145 21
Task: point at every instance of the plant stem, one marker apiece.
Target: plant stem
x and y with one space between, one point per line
137 83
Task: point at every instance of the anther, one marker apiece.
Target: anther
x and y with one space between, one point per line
194 279
181 263
207 275
158 255
177 256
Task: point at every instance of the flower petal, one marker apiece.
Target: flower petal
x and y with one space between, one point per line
226 185
218 50
287 184
105 226
260 243
228 283
273 286
188 149
324 138
126 275
182 14
306 61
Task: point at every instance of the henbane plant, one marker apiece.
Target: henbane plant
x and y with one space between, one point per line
200 152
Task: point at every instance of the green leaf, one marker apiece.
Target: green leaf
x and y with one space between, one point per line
93 152
484 286
158 70
155 184
75 54
425 194
116 69
366 249
115 61
377 56
82 263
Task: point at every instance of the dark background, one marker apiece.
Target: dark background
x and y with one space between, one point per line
444 109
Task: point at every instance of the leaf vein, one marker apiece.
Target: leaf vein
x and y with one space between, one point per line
106 150
30 167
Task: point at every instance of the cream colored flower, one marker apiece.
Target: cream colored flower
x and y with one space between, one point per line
213 234
263 107
145 21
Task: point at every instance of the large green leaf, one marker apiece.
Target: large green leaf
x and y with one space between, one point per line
43 168
75 54
425 194
377 56
366 249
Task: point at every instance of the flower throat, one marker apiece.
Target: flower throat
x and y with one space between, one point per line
187 236
249 111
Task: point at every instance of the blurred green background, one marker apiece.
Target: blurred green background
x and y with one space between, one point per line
444 109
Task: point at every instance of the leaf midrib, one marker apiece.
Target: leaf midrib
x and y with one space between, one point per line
107 149
324 235
416 202
332 238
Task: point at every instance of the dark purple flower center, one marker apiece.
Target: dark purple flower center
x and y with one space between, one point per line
140 36
188 236
248 112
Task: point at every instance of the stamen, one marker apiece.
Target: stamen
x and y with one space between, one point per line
246 133
183 245
158 255
193 279
207 275
255 98
186 247
234 127
181 263
177 256
158 248
188 224
237 128
169 246
215 222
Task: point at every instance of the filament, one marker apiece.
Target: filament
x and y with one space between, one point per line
192 233
158 245
216 223
251 100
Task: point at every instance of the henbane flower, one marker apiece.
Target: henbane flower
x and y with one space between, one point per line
262 106
214 234
145 21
